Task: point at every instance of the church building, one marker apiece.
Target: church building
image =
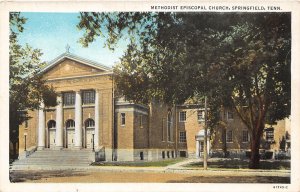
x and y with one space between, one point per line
89 117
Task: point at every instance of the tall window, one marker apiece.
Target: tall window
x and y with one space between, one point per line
69 98
163 129
182 137
141 121
201 115
169 127
270 135
88 97
123 118
229 136
245 136
182 116
70 123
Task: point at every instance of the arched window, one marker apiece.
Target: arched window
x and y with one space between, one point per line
51 124
70 123
89 123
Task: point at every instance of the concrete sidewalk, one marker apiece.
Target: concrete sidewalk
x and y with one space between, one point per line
181 167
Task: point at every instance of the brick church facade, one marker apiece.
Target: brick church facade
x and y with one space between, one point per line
90 117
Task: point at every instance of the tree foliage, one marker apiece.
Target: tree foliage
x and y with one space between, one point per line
238 60
26 87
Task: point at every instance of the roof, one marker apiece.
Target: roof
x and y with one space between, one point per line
68 55
122 102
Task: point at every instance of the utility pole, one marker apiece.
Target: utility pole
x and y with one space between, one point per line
205 136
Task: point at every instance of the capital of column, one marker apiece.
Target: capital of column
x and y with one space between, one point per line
77 90
59 98
42 105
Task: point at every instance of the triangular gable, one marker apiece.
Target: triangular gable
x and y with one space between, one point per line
68 65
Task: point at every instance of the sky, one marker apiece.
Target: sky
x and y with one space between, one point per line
52 32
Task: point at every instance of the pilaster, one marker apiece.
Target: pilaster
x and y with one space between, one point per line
97 117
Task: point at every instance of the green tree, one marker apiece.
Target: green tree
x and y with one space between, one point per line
237 60
258 63
26 86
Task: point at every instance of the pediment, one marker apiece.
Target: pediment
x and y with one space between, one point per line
68 67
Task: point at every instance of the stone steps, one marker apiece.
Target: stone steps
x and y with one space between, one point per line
65 155
56 158
42 161
60 158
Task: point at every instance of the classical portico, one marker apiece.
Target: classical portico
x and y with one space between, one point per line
76 133
83 115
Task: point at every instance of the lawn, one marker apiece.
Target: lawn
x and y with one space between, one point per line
162 163
243 164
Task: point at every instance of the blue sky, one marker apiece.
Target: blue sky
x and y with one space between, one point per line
51 32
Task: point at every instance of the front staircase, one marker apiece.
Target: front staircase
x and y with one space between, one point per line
52 159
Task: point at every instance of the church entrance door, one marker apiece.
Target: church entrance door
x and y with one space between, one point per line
51 138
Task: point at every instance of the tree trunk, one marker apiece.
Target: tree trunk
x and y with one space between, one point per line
255 144
205 138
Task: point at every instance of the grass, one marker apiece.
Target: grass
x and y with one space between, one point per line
243 164
162 163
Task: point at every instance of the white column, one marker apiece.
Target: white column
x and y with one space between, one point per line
197 148
41 133
96 137
78 120
208 147
59 123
